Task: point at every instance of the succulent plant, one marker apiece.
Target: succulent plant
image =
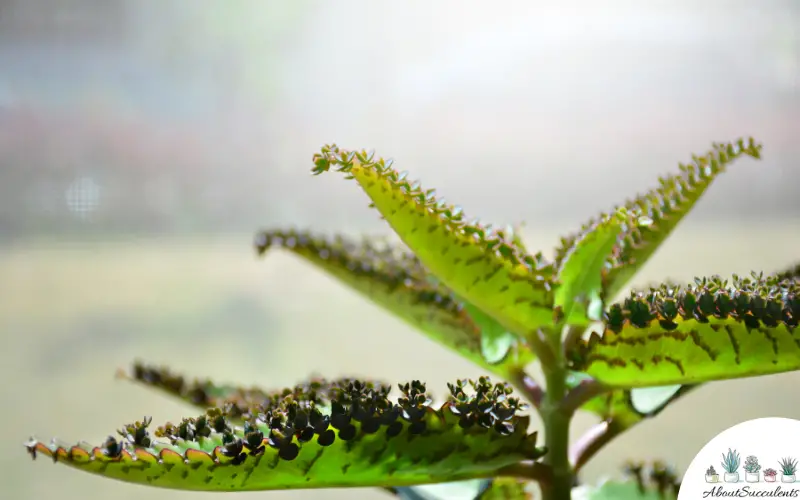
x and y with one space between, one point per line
770 472
751 464
731 461
711 471
788 466
481 293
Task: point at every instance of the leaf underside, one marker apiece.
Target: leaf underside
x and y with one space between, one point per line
705 331
618 410
343 434
396 281
666 206
482 265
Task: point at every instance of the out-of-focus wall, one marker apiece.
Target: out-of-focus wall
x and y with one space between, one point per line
142 143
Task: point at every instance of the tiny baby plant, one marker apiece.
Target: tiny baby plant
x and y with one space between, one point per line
483 294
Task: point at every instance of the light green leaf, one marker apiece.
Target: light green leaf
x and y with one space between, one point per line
624 408
580 273
707 331
484 267
396 280
666 205
345 434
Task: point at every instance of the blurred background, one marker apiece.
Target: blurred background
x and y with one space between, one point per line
142 143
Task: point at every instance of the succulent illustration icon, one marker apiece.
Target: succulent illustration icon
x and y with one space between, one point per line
711 475
788 469
770 475
751 469
730 464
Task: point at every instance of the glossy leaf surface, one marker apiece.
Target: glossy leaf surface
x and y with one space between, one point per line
580 274
483 266
320 436
706 331
666 206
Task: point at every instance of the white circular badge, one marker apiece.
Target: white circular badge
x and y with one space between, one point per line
755 459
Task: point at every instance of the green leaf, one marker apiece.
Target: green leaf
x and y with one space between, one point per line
707 331
580 274
396 280
623 409
483 266
666 205
343 434
205 394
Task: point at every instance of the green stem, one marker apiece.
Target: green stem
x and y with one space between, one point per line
556 425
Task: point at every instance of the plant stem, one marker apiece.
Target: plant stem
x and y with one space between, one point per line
528 387
556 425
592 442
581 394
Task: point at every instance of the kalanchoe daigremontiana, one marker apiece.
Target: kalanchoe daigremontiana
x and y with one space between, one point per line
480 292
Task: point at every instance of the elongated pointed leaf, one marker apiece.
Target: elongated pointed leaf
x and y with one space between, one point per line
235 400
484 267
666 205
580 273
707 331
397 281
337 435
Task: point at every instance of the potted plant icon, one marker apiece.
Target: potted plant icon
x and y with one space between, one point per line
711 475
788 468
770 475
730 464
751 468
